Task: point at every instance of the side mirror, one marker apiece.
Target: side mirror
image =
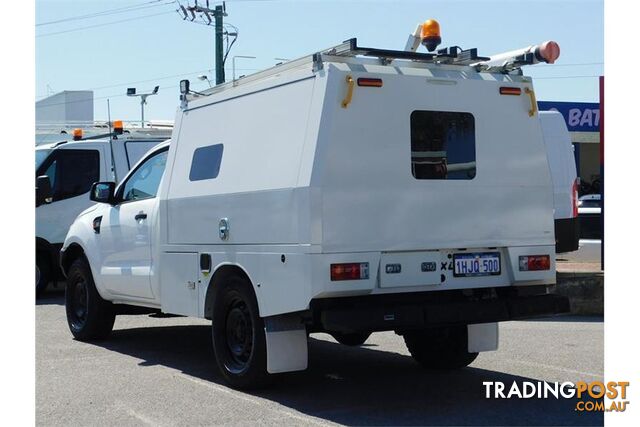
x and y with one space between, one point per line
103 192
44 194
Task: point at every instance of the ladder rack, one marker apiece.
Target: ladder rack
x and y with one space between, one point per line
453 55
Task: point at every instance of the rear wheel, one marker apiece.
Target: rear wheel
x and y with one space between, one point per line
43 272
239 340
88 315
352 339
440 348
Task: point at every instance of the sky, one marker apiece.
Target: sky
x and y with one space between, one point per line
147 43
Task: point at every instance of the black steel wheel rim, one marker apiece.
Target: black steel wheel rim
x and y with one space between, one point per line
238 335
79 303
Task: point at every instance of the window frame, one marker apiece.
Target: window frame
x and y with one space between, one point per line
411 141
193 157
120 190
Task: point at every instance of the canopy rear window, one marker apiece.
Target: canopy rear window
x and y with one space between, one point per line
443 145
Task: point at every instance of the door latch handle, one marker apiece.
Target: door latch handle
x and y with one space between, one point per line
141 215
347 99
532 99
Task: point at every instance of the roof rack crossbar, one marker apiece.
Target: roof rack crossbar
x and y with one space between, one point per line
350 48
453 55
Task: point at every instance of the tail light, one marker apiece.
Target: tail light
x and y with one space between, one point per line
350 271
535 262
369 82
574 197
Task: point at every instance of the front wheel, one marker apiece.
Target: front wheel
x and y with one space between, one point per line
440 348
88 315
239 341
43 272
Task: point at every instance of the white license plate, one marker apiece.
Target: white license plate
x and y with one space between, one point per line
476 264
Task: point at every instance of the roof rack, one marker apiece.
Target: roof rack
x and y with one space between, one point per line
349 48
453 55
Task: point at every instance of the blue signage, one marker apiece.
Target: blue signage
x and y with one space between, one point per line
579 116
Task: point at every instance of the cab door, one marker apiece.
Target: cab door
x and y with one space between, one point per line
126 229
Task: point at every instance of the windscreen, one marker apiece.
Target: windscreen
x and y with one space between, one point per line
41 155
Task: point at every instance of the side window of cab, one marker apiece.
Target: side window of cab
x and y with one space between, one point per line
71 172
144 182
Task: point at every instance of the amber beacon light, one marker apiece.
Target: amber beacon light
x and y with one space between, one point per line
430 34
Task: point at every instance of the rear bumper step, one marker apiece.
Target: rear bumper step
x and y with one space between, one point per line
379 316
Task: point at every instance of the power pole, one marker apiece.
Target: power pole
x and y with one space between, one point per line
206 13
219 13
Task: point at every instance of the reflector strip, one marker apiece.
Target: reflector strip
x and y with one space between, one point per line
505 90
369 82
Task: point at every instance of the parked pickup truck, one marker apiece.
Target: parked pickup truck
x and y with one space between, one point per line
351 191
65 171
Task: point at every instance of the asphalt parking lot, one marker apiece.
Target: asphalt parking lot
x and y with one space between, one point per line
161 371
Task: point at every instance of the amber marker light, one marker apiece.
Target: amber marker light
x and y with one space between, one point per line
117 127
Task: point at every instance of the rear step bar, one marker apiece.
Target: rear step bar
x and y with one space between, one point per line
378 315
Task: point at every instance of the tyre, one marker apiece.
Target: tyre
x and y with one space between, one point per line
43 272
352 339
88 315
239 341
440 348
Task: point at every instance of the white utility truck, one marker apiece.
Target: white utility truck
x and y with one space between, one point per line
65 171
351 191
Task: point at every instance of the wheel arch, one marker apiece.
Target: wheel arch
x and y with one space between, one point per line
221 273
69 255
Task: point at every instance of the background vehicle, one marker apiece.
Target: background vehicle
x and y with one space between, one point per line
333 198
65 172
590 215
562 164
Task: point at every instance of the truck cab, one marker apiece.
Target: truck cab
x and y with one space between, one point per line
68 169
351 191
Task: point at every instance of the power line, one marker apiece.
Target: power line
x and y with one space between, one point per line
104 24
154 79
96 98
130 8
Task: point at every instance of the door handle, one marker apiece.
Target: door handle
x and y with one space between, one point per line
141 215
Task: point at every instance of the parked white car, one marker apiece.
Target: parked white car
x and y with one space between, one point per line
65 172
331 194
590 214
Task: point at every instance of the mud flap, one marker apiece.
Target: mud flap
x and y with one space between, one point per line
286 338
482 337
